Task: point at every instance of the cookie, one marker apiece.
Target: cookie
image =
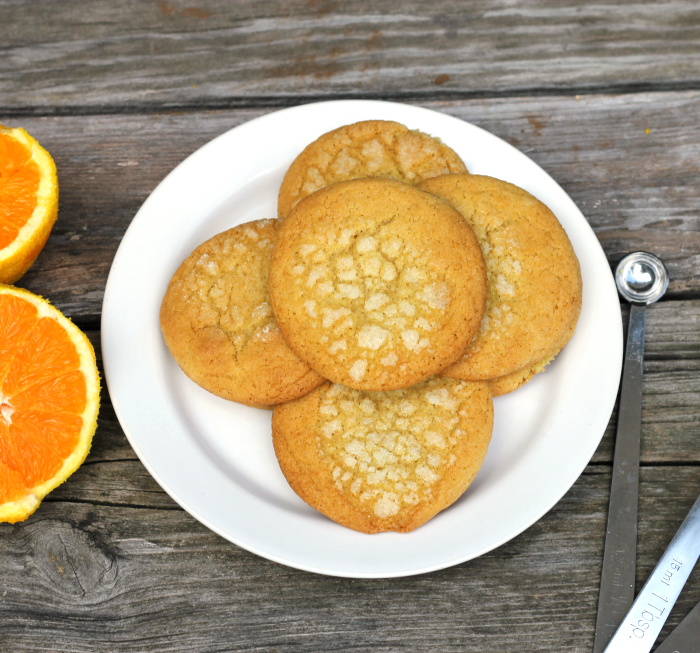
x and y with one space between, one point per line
384 461
505 384
534 280
376 285
372 148
218 324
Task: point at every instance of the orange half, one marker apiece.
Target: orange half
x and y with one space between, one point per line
49 400
28 201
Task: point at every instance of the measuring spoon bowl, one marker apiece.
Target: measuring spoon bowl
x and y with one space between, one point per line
641 278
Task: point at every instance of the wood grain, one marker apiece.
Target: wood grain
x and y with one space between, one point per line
671 388
79 55
95 578
638 190
604 96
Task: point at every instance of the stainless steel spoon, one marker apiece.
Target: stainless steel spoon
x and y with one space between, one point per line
641 279
648 614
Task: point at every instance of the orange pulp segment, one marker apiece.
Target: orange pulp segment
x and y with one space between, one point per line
28 201
49 398
19 183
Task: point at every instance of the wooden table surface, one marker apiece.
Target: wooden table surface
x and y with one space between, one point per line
605 97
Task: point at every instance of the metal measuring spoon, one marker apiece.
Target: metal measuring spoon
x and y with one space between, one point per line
641 279
649 612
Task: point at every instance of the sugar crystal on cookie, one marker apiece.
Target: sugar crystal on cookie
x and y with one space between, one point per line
365 149
218 323
402 270
384 460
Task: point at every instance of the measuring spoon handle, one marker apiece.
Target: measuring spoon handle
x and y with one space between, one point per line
619 557
642 624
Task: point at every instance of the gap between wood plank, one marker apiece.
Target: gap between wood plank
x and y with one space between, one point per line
89 462
645 465
112 504
598 469
283 101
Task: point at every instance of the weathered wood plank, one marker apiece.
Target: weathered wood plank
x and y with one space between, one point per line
638 190
144 54
671 387
673 331
119 483
85 578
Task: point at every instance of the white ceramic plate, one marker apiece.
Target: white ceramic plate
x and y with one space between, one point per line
215 458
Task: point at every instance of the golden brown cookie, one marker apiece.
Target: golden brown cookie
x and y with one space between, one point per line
534 279
384 461
376 285
218 324
372 148
504 384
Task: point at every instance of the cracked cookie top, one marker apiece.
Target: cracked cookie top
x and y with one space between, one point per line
375 284
380 461
218 324
371 148
534 279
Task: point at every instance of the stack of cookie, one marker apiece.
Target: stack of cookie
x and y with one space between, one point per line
394 295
